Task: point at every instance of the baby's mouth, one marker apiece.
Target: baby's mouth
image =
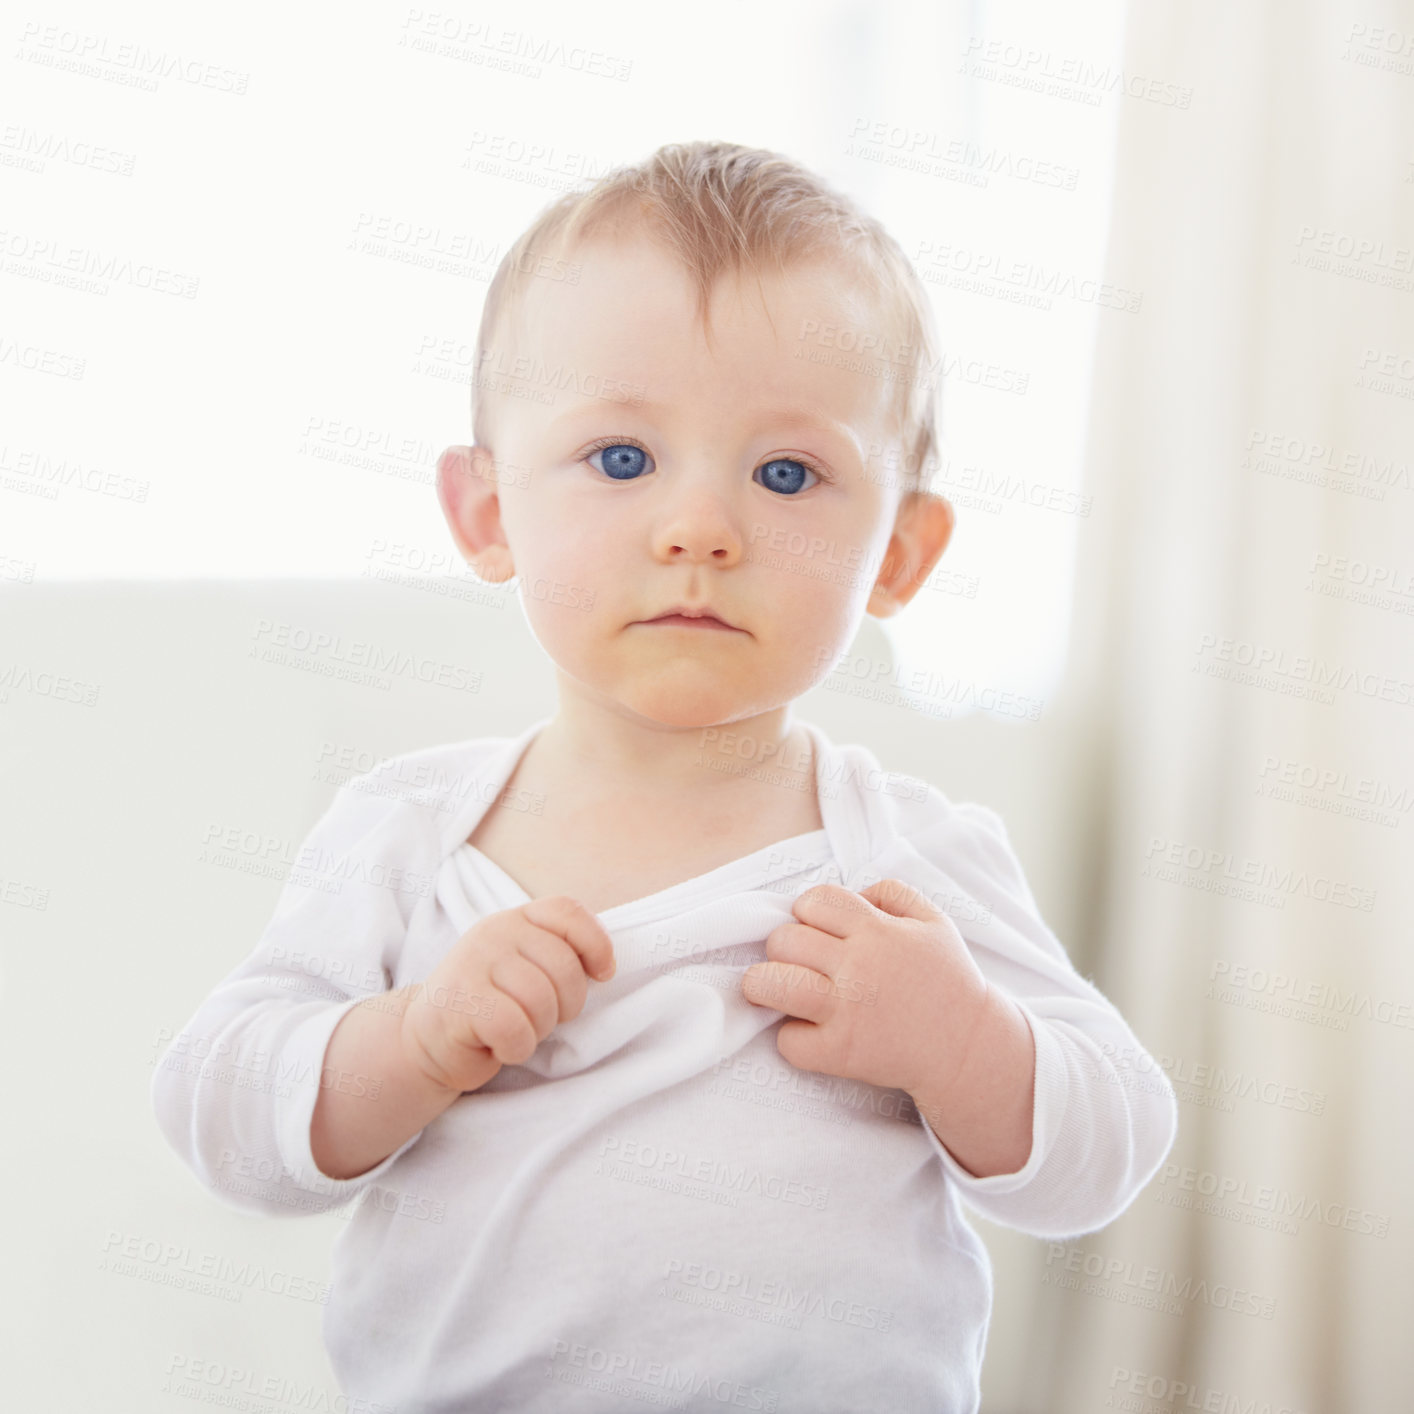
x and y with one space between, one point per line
688 615
704 621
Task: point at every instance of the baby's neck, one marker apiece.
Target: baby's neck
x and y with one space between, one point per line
605 840
707 770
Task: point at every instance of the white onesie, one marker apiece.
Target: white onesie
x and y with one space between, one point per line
656 1209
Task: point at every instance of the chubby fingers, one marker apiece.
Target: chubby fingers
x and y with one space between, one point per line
569 919
788 987
902 900
832 908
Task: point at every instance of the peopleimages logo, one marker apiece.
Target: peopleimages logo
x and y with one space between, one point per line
1150 1287
1164 858
1288 993
1203 1083
1267 1199
1138 1391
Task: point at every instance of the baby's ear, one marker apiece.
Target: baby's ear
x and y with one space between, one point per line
466 491
922 530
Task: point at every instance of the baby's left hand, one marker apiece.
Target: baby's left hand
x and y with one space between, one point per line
882 982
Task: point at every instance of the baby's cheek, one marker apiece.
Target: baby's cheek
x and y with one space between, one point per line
815 641
563 593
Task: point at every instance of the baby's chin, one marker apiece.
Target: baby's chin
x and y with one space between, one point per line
694 703
682 694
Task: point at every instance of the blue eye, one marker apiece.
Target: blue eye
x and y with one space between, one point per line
784 474
626 461
622 460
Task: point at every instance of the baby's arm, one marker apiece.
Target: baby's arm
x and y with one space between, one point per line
302 1079
348 1136
235 1091
1098 1132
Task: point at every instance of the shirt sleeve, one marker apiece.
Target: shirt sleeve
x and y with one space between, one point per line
234 1092
1104 1115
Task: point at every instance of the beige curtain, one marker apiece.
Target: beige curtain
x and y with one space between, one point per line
1247 648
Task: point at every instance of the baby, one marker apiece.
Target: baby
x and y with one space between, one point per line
662 1042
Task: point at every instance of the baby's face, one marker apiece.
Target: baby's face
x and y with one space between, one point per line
746 480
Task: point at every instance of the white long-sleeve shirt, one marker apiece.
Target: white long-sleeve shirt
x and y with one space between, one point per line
655 1208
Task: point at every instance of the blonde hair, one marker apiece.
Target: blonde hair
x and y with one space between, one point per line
724 209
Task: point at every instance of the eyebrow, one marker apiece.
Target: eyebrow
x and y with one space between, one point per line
770 417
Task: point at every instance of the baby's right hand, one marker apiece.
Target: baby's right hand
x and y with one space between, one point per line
505 984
